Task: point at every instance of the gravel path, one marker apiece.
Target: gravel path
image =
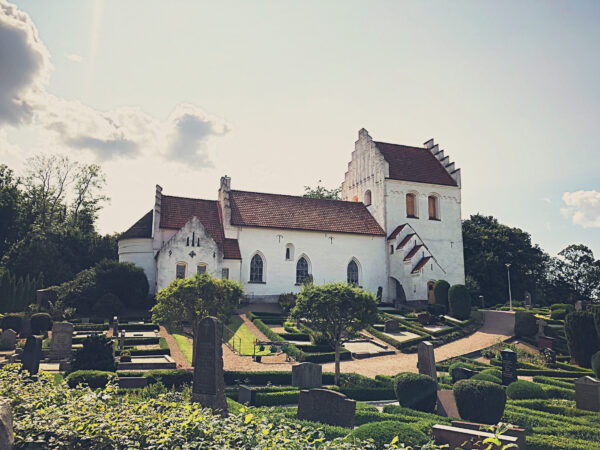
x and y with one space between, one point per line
176 354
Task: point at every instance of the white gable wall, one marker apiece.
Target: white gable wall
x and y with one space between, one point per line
139 251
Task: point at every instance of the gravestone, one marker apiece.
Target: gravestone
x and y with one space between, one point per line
209 385
25 331
578 305
122 340
424 318
473 438
462 373
62 341
8 339
527 300
446 404
325 406
32 353
115 326
246 395
426 361
587 394
545 342
7 438
391 326
45 296
541 324
509 366
307 375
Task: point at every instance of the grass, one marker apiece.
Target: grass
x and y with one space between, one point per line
184 345
243 337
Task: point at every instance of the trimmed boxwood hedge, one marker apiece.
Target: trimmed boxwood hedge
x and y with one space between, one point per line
382 433
170 377
479 401
146 351
487 377
522 390
90 327
264 377
139 326
459 301
416 391
93 378
582 337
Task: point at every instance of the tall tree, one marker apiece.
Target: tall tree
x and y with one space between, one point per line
574 274
337 310
10 197
322 192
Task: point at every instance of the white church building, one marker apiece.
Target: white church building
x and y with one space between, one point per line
396 230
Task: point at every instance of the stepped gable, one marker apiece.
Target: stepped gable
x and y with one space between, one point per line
416 164
177 211
141 229
254 209
421 264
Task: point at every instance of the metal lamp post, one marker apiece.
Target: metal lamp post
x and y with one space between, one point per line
509 291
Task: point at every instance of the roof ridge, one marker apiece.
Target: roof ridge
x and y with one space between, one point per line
299 196
191 198
400 145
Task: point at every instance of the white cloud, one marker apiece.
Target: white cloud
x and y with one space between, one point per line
74 57
547 199
119 133
583 207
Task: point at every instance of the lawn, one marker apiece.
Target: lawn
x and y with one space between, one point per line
184 345
243 338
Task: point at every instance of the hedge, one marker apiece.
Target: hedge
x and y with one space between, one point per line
382 433
40 323
139 326
459 302
145 351
12 321
170 377
416 391
440 292
553 382
521 389
93 378
470 395
487 377
264 377
277 398
525 324
559 392
366 394
90 327
549 442
582 336
294 336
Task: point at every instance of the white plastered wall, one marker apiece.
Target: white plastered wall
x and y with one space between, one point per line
139 251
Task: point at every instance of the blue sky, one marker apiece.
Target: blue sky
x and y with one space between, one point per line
273 94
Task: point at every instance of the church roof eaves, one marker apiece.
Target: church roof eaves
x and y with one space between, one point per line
139 230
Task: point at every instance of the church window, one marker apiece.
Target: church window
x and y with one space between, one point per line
352 272
256 269
367 201
301 271
201 268
411 205
225 273
289 252
434 208
391 249
180 270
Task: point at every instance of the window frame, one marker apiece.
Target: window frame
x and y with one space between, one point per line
225 273
348 279
415 206
436 207
202 264
368 197
261 279
177 266
307 275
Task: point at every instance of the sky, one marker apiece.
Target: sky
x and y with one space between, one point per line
273 93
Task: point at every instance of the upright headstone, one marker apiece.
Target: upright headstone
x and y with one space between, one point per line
62 341
391 326
527 300
325 406
209 384
587 394
45 296
7 438
541 324
446 404
307 375
578 305
246 395
25 331
32 354
462 373
509 366
122 340
115 326
426 361
8 339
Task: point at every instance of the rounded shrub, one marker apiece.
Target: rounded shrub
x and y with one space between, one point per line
525 324
436 309
596 364
96 354
12 321
416 391
459 301
384 432
40 323
479 401
93 378
123 279
487 377
494 372
453 370
108 305
582 337
170 377
523 390
440 292
558 314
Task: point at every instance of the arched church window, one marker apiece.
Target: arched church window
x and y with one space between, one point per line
367 201
256 269
434 207
302 271
352 272
180 270
411 205
289 252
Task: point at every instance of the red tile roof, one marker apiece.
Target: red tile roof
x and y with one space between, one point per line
405 240
396 232
175 212
421 264
413 252
253 209
141 229
414 164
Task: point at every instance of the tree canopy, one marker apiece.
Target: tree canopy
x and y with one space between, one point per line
322 192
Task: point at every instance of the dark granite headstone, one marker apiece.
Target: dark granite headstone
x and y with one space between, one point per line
462 373
545 342
446 404
209 384
25 331
8 339
426 361
32 354
246 395
62 341
509 366
122 340
307 375
115 327
325 406
587 394
391 326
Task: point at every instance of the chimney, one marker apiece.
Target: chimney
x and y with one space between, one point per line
224 202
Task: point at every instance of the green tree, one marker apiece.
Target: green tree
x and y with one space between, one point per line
574 274
10 197
440 291
322 192
192 299
337 310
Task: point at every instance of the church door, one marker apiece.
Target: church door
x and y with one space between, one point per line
430 294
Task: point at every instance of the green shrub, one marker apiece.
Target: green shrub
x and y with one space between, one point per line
436 309
525 324
170 377
384 432
440 291
277 398
493 372
558 314
366 394
565 306
453 369
522 390
479 401
125 280
40 323
96 354
487 377
416 391
596 364
107 306
581 336
459 301
93 378
13 322
318 338
287 301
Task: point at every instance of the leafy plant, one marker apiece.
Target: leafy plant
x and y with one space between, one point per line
416 391
40 323
471 395
522 390
459 301
582 337
96 354
440 291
